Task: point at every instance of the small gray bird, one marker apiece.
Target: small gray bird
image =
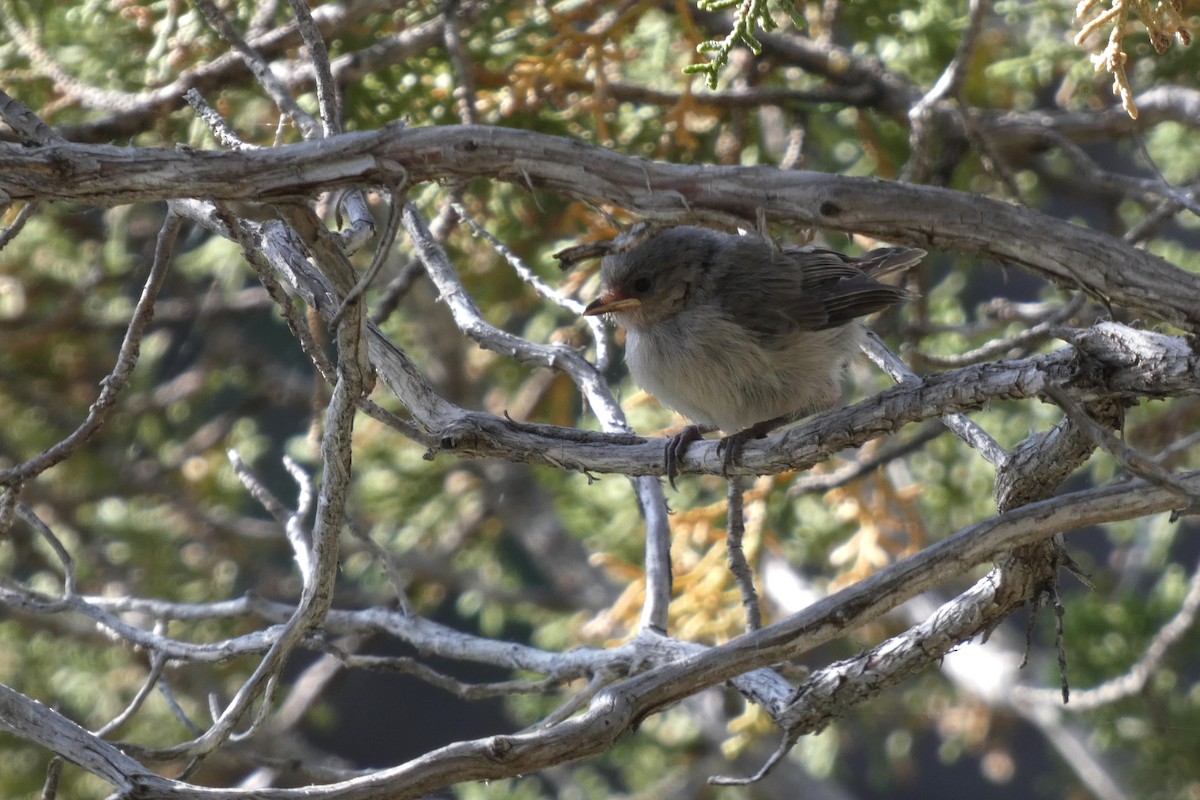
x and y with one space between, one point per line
738 334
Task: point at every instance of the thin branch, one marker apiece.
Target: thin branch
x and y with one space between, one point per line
118 378
260 68
948 86
220 128
261 494
964 428
467 691
292 522
1137 677
23 216
735 529
997 348
585 376
1128 457
64 557
157 665
890 450
318 57
544 290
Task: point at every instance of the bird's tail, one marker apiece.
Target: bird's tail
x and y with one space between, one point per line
890 260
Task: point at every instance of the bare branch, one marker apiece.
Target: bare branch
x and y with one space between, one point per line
1135 680
964 428
127 358
1066 254
622 705
735 528
262 71
1137 463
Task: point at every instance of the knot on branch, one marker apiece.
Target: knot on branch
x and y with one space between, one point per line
1027 572
1121 359
464 435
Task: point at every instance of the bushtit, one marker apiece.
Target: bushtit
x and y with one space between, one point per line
739 334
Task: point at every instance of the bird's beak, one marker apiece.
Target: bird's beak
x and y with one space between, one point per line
610 302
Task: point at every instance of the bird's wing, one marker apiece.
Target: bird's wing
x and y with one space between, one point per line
812 289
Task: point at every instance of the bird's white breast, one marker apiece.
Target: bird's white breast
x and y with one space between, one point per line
714 372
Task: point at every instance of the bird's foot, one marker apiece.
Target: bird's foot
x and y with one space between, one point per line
730 448
677 447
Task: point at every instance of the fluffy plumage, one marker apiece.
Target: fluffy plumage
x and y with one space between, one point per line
738 334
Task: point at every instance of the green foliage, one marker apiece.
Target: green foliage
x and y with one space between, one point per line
152 507
749 16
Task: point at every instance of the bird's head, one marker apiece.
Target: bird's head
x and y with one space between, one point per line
657 279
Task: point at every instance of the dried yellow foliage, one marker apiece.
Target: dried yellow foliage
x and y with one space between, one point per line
1163 21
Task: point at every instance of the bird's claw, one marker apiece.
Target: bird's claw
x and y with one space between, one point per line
730 448
676 448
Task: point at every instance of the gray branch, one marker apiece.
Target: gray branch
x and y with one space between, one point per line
1058 251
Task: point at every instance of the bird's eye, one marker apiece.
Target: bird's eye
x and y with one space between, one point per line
641 284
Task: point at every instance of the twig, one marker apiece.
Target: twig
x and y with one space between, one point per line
890 450
1136 678
318 56
23 216
1186 199
586 377
998 347
959 424
948 85
157 664
787 742
1128 457
275 89
543 289
261 494
467 691
220 128
35 522
294 526
735 528
127 358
